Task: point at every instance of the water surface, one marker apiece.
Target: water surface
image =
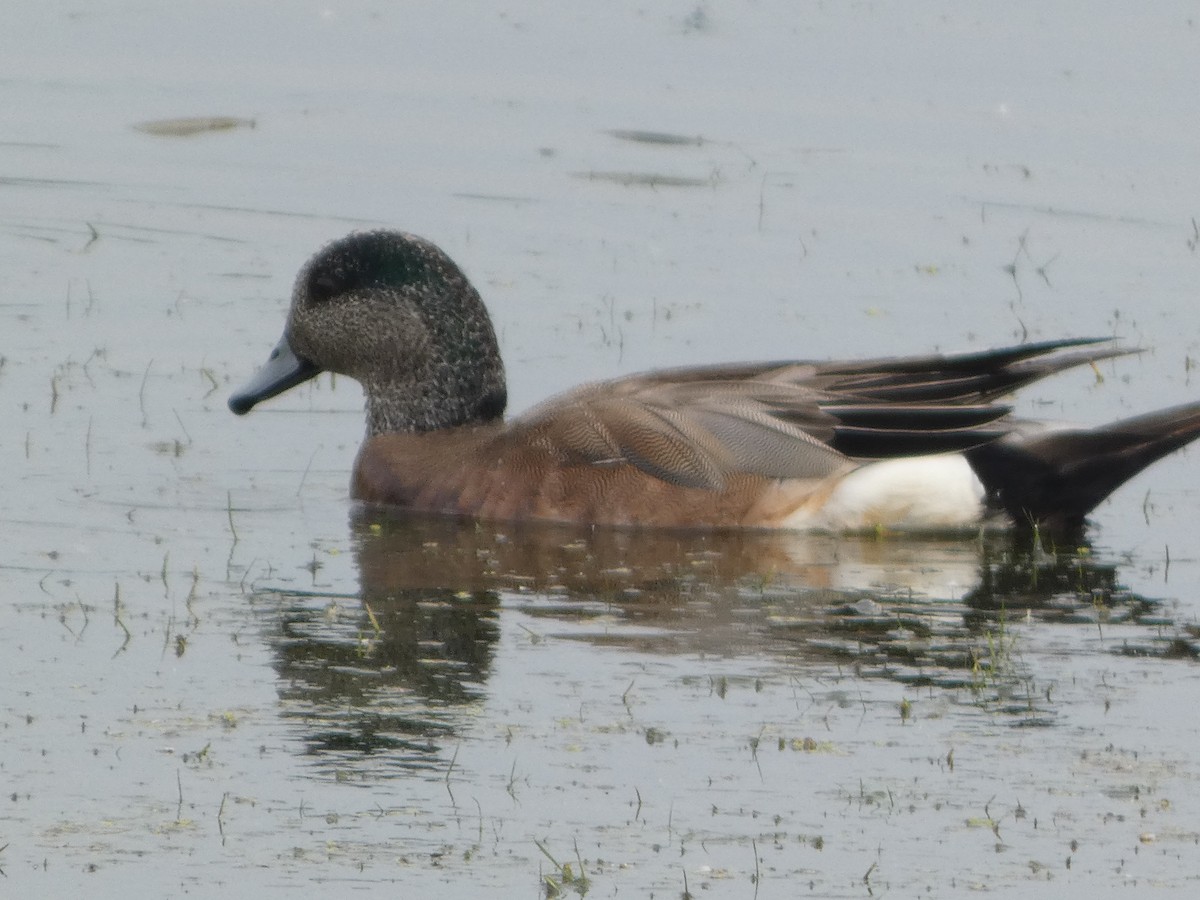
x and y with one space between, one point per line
222 676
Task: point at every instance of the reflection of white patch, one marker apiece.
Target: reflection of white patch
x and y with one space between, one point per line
951 580
914 493
946 568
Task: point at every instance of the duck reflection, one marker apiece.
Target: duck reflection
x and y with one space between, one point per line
392 667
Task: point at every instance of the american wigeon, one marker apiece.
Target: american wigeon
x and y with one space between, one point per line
906 443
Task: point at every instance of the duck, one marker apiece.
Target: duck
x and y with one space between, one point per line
898 443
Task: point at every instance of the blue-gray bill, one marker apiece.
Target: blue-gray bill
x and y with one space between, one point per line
283 370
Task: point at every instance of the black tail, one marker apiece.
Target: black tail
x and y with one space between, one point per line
1053 479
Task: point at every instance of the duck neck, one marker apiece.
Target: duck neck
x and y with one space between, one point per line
406 412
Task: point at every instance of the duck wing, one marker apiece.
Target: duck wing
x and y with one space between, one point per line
690 434
696 427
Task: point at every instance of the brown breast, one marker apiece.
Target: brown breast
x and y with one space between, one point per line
486 472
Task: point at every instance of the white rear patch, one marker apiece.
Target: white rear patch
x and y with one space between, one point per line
913 493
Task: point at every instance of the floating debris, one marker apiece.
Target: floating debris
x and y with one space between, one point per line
495 198
645 179
657 137
190 126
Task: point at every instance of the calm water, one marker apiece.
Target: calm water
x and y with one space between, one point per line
220 676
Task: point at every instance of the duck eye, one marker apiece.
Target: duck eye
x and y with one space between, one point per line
323 286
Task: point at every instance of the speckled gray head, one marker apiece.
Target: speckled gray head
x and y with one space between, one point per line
394 312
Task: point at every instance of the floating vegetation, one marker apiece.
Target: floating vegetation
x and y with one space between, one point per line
564 875
186 127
